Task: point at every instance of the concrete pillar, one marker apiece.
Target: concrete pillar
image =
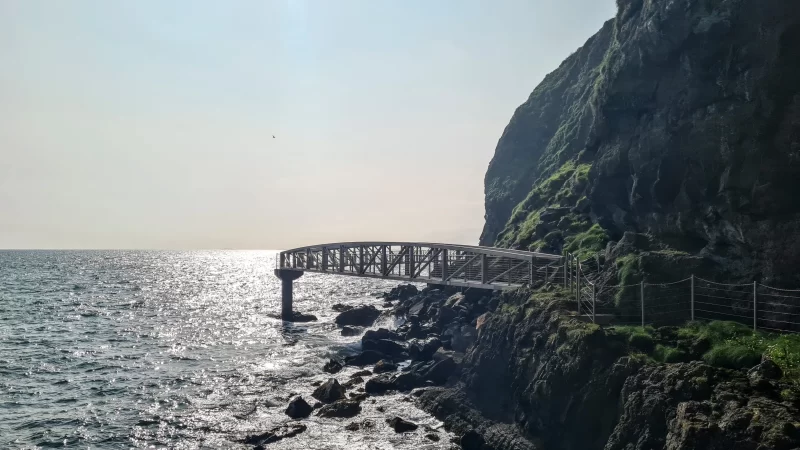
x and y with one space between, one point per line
287 277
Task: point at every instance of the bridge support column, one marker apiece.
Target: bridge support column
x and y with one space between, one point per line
287 277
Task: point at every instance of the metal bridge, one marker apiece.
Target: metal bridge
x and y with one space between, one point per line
419 262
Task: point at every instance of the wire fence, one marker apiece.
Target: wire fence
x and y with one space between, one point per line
754 304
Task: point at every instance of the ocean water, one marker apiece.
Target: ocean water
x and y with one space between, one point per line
159 349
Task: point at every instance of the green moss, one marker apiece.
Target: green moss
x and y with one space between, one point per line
732 356
629 274
587 243
669 354
642 341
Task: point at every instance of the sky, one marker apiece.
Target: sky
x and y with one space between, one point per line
149 124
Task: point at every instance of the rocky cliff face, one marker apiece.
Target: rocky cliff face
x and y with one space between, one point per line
538 379
679 121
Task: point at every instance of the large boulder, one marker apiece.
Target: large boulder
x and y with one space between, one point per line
341 408
423 350
440 371
400 425
385 346
298 408
350 331
389 382
329 392
332 366
384 366
402 292
364 358
381 333
362 316
301 317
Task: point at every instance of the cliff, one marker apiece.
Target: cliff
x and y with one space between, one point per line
678 123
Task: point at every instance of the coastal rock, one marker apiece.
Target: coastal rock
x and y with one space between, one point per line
440 371
352 382
364 358
365 424
361 373
276 434
301 317
381 333
384 346
390 382
767 370
471 440
341 409
298 408
384 366
332 366
362 316
423 350
350 331
339 307
403 292
400 425
329 392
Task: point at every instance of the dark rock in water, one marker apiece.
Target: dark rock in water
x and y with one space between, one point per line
445 315
341 308
400 425
300 317
276 434
332 366
362 316
361 373
387 304
340 408
433 437
358 397
402 292
381 333
391 382
298 408
364 424
384 366
317 405
329 392
364 358
385 346
414 331
350 331
416 308
316 383
471 440
352 382
423 350
440 371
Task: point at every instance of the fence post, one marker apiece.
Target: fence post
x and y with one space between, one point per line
641 295
578 285
565 270
755 310
692 297
594 296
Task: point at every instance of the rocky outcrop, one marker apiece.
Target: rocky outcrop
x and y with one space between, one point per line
537 378
361 316
679 120
329 392
298 408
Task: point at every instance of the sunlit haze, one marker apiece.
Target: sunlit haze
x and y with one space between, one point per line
150 124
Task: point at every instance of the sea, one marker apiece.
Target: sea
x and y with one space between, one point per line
176 350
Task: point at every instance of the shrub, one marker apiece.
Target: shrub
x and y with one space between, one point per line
732 355
642 341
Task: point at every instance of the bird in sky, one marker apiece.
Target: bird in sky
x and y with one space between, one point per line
273 136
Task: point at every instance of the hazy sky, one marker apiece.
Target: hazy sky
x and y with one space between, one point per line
148 124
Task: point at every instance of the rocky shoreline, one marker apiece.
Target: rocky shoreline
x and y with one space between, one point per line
518 371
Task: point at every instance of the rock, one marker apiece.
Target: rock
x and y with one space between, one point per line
364 424
361 373
340 408
332 366
316 383
389 382
767 370
364 358
414 331
471 440
387 304
298 408
352 382
300 317
445 315
329 392
440 371
381 333
482 320
384 346
423 350
341 308
362 316
317 405
433 437
358 397
381 408
350 331
400 425
416 308
465 337
403 292
276 434
384 366
455 299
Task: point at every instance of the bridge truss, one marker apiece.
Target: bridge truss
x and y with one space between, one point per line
454 265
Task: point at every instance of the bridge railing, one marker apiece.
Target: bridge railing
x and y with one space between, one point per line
456 265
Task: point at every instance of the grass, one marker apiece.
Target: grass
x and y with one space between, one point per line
724 344
587 243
